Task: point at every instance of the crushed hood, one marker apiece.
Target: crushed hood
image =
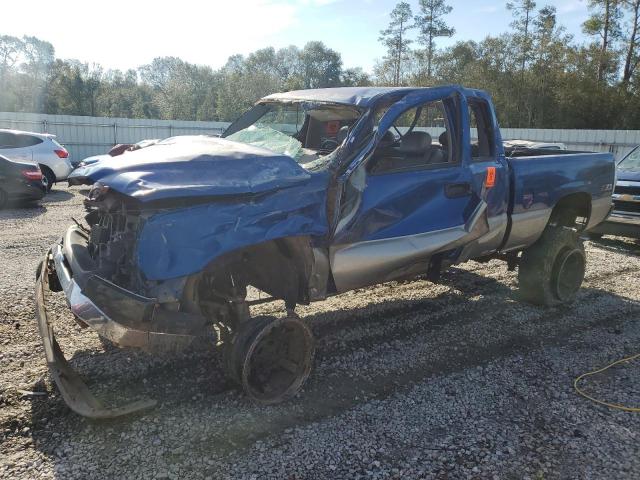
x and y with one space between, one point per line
193 166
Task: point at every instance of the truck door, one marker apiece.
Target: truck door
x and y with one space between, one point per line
490 173
411 197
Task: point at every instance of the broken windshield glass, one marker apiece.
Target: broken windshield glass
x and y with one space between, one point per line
307 132
269 138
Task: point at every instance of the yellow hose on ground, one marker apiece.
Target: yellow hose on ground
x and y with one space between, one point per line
602 402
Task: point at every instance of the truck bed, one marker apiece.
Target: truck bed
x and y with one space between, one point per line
541 178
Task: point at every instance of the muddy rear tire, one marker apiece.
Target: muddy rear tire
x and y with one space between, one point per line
270 358
552 270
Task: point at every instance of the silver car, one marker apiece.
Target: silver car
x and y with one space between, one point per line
39 148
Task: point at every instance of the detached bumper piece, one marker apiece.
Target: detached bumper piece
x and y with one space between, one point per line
74 391
126 319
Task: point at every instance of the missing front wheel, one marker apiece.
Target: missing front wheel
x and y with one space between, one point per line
270 357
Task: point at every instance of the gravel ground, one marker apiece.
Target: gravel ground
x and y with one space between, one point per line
412 380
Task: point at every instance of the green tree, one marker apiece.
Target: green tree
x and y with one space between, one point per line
355 77
522 11
242 82
394 37
321 66
431 25
604 23
631 41
10 50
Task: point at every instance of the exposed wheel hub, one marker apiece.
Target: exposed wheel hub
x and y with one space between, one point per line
569 272
271 357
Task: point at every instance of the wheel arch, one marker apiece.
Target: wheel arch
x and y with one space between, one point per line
47 168
572 210
282 267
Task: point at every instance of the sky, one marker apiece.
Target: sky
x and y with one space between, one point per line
128 33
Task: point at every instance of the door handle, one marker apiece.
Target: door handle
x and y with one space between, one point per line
457 190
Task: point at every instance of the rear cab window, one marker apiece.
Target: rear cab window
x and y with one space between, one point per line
483 147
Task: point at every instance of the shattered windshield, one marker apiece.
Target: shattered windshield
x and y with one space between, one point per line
269 138
306 132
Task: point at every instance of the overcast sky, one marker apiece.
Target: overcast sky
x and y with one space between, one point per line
125 34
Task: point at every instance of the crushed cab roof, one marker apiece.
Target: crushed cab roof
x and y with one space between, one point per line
358 96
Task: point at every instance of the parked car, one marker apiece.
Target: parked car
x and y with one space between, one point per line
41 148
531 145
117 150
310 194
625 218
19 182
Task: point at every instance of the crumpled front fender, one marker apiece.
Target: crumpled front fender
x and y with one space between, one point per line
183 241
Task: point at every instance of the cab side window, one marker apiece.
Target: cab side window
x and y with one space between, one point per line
419 138
483 146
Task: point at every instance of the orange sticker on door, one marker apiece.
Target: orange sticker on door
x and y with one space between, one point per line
490 181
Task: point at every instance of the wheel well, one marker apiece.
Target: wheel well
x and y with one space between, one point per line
572 210
280 268
44 168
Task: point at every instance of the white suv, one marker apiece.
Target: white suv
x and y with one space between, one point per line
39 148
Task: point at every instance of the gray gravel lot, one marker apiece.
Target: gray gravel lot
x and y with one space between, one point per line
412 380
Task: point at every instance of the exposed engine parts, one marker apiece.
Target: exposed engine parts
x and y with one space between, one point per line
111 243
269 357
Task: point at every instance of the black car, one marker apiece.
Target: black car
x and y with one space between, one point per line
21 182
625 218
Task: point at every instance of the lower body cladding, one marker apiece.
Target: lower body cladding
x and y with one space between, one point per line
377 261
126 319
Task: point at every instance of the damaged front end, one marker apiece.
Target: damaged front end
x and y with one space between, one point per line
96 270
155 275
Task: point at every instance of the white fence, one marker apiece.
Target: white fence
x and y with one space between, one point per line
619 142
85 136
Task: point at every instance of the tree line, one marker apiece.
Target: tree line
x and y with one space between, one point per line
538 75
32 79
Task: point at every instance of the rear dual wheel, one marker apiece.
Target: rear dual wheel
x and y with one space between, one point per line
552 270
270 357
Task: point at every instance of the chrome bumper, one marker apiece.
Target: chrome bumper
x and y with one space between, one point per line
136 333
626 219
135 326
619 223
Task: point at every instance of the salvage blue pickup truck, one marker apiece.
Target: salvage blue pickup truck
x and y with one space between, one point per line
310 194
